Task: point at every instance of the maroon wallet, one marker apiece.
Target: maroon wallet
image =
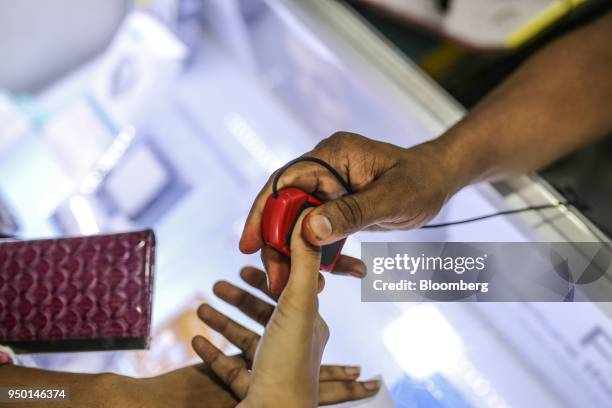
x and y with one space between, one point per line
77 294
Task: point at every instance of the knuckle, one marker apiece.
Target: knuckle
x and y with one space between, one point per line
338 136
322 326
243 300
263 316
261 282
334 140
250 343
330 371
208 354
322 143
232 374
350 210
324 329
343 136
351 388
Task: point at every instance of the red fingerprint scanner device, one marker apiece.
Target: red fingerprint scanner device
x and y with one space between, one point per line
279 217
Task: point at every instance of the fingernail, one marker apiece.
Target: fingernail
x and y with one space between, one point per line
320 226
352 372
371 385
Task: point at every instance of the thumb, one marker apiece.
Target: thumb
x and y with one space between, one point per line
302 286
338 218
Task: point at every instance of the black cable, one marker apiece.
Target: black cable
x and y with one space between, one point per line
320 162
507 212
349 190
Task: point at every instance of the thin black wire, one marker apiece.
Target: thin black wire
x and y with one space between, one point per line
507 212
320 162
349 190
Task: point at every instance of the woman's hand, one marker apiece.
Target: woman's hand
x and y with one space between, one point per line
286 360
336 383
394 188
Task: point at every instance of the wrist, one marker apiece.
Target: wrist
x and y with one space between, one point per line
248 403
111 390
461 159
245 404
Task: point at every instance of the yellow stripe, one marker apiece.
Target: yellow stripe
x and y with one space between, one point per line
544 19
437 61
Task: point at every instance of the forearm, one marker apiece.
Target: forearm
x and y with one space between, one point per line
558 101
91 390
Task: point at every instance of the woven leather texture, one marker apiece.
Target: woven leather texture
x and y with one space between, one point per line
97 287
